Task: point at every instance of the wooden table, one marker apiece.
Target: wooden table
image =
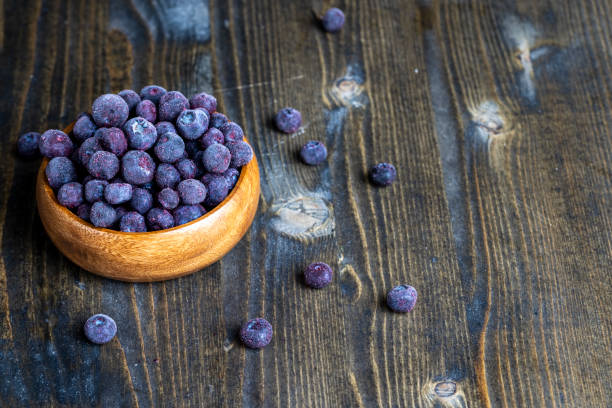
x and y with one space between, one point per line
498 117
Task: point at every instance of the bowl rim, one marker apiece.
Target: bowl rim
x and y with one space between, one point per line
49 191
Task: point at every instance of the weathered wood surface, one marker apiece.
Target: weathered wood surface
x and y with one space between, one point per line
497 115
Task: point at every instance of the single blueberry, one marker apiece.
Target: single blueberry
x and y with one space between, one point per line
142 200
102 215
216 158
217 120
213 135
171 104
137 167
131 98
402 298
59 171
152 93
141 134
333 20
313 153
118 193
318 275
94 190
187 213
167 175
231 175
84 128
288 120
164 127
87 149
169 147
159 219
256 333
112 140
55 143
70 195
146 109
241 154
103 165
217 188
110 110
203 100
27 145
186 168
191 191
132 222
192 123
383 174
100 328
168 198
232 132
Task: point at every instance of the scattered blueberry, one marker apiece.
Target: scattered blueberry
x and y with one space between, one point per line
152 93
141 133
333 20
55 143
256 333
241 154
94 190
142 200
402 298
110 110
288 120
82 211
102 215
169 148
112 140
186 168
213 135
27 145
146 109
216 158
164 127
137 167
191 191
131 98
192 123
203 100
70 195
231 175
100 328
87 149
84 128
159 219
217 119
168 198
187 213
318 275
103 165
60 171
232 132
383 174
313 153
167 175
171 104
132 222
118 193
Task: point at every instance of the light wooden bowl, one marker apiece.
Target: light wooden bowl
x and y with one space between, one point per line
151 256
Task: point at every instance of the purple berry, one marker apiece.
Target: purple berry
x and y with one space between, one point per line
84 128
142 200
137 167
94 190
164 127
169 148
55 143
141 133
110 110
152 92
216 158
131 98
318 275
159 219
313 153
60 171
191 191
121 211
333 20
100 328
118 193
383 174
146 109
102 215
168 198
402 298
167 175
171 104
256 333
187 213
203 100
103 165
87 149
112 140
186 168
27 145
192 123
70 195
212 136
231 175
82 212
132 222
217 189
241 154
288 120
217 120
232 132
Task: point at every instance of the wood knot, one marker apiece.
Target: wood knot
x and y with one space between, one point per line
303 217
444 392
348 90
488 117
445 389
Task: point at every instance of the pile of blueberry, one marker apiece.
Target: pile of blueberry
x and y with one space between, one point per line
143 162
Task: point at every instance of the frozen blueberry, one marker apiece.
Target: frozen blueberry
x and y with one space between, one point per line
383 174
313 153
137 167
100 328
333 20
141 133
288 120
216 158
169 147
142 200
131 98
84 128
231 175
318 275
192 123
132 222
256 333
168 198
402 298
159 219
87 149
112 140
70 195
171 104
82 212
60 171
192 147
217 120
217 188
241 153
191 191
146 109
118 193
167 175
55 143
186 168
164 127
232 132
152 93
212 135
27 145
94 190
203 100
110 110
103 165
102 215
187 213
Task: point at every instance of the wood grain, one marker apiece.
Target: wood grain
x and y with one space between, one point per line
497 116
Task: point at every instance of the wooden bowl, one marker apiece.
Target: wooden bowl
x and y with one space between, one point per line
151 256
